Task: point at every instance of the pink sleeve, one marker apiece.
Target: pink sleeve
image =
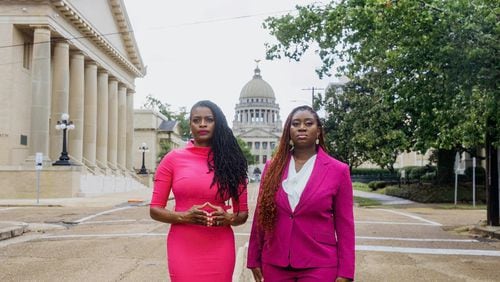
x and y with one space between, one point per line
344 226
242 204
162 182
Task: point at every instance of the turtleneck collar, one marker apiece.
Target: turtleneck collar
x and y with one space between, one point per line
196 149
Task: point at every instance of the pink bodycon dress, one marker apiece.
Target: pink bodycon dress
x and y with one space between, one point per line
195 252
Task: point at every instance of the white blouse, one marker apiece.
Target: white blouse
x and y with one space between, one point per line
296 181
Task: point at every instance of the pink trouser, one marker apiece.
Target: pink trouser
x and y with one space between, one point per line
273 273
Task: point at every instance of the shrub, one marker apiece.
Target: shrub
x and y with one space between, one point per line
480 174
375 185
414 173
369 171
432 194
428 177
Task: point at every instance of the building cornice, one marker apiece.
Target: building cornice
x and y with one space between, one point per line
135 64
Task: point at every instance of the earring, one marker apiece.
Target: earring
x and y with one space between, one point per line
317 141
292 146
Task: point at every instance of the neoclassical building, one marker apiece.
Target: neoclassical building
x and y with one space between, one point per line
67 56
257 119
153 128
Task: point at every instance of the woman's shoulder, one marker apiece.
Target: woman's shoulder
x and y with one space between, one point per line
325 157
174 153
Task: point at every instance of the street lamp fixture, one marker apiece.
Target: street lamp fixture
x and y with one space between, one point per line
64 124
143 148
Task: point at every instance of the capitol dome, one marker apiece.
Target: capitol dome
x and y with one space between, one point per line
257 87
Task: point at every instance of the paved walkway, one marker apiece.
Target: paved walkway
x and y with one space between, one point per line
9 229
383 199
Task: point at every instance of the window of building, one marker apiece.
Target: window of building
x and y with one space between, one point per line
24 140
249 144
257 145
272 145
257 159
264 159
264 145
27 55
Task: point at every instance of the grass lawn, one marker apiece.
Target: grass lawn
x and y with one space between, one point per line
364 202
439 198
460 206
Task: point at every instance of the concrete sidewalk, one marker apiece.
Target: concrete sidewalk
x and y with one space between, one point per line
383 199
10 229
480 228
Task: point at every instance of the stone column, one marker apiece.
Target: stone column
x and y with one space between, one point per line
40 93
60 96
90 114
76 104
102 119
112 121
122 127
129 160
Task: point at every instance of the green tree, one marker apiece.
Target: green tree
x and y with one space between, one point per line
246 151
165 147
182 117
433 62
155 104
361 128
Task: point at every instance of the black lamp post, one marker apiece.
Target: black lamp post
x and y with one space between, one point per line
143 148
64 124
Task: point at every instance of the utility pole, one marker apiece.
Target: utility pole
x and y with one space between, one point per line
312 94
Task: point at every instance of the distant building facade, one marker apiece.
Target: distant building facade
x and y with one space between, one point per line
257 119
74 57
153 128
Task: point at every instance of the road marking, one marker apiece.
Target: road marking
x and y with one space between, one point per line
6 209
388 249
416 239
75 236
110 221
412 216
101 213
428 251
393 223
398 239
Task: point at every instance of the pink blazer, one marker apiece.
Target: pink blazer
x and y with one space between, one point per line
320 232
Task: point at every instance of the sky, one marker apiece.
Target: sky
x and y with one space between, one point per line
198 50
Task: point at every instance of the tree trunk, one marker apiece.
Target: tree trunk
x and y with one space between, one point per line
445 162
492 175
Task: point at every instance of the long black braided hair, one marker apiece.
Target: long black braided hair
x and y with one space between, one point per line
226 158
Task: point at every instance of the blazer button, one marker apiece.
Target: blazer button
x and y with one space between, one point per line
291 216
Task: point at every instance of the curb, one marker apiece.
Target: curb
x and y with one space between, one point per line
10 229
489 231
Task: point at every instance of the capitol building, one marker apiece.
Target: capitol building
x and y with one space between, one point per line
257 120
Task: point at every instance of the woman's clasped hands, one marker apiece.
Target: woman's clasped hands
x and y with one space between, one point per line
208 215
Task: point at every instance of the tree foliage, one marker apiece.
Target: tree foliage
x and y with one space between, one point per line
182 117
165 147
246 151
425 72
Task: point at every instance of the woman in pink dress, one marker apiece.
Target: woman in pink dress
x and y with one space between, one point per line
203 177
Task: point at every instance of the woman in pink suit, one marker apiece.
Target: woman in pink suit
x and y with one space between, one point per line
303 228
202 177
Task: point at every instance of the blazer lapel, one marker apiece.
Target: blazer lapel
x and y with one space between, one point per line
317 176
282 196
